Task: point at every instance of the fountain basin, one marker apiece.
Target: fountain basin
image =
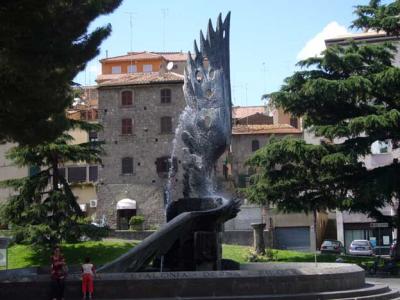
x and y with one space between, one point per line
252 281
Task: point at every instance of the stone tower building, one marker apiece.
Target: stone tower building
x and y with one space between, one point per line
139 108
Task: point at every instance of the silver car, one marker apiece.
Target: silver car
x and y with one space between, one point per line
331 246
361 247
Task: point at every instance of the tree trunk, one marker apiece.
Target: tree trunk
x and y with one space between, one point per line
54 166
397 224
315 228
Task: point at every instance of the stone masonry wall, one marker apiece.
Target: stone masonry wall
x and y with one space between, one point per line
145 145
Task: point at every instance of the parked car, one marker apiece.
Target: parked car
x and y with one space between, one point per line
331 246
361 247
392 251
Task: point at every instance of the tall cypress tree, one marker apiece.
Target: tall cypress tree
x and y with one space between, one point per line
350 97
43 46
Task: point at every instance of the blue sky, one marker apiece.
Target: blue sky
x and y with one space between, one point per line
267 37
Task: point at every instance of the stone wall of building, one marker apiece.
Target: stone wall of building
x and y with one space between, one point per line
242 150
145 145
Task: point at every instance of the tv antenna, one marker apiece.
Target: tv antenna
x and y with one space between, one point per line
164 12
131 14
265 74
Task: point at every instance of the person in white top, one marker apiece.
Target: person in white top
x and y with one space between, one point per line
88 272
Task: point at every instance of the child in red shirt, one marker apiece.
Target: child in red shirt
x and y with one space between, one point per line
88 272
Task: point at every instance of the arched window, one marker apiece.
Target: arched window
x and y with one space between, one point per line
127 165
127 126
165 96
255 145
126 98
166 125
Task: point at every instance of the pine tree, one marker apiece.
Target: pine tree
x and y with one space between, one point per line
349 97
43 46
43 209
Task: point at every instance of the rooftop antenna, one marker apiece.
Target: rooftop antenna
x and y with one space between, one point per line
264 87
247 117
131 14
265 74
164 12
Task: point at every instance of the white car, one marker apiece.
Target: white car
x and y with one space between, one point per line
361 247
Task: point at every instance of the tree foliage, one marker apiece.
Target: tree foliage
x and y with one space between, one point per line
43 208
349 97
43 46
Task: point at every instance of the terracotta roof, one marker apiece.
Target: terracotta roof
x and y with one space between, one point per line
173 56
145 55
239 112
73 114
137 78
264 129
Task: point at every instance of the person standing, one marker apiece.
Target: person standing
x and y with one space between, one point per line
88 272
58 273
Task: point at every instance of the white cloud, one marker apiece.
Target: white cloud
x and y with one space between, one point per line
316 45
95 69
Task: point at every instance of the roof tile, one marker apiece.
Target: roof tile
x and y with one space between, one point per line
137 78
239 112
264 129
169 56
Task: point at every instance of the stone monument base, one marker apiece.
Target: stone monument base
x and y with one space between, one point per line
253 281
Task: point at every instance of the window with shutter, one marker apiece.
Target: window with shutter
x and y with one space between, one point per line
93 173
76 174
166 125
132 69
147 68
163 164
166 96
255 145
127 126
126 98
127 165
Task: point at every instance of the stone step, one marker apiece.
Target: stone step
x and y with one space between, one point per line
385 296
371 292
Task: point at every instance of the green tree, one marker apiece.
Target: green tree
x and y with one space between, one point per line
349 97
43 46
43 209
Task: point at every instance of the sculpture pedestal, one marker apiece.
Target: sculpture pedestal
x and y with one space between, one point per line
258 235
200 248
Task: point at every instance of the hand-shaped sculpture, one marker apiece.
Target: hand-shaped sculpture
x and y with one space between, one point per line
207 118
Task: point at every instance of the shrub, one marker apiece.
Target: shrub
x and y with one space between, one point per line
93 232
136 222
270 255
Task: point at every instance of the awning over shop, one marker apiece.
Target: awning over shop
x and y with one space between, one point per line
126 204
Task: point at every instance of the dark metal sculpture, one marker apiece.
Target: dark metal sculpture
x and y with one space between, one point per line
207 118
191 240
